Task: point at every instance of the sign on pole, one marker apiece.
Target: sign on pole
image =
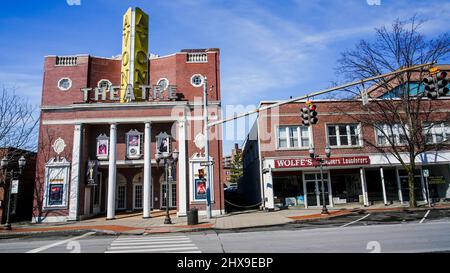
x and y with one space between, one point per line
426 173
364 97
15 187
207 163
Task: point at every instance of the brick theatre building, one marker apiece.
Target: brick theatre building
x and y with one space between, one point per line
102 118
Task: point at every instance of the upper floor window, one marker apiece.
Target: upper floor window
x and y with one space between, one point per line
436 132
197 80
64 84
388 134
293 137
343 135
163 83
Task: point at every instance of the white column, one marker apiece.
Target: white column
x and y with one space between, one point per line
147 194
330 191
111 211
305 194
383 186
422 183
269 189
399 186
364 186
182 177
75 173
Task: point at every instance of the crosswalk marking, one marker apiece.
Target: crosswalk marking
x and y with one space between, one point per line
147 243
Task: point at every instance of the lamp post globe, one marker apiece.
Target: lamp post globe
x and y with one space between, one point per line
328 150
311 152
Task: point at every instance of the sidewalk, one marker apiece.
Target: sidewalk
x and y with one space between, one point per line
133 223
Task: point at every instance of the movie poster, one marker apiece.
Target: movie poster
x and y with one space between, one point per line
200 188
55 195
164 146
133 141
102 148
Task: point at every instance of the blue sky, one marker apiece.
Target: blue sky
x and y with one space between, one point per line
269 49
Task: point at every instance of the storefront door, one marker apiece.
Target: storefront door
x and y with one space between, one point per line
417 187
312 193
313 187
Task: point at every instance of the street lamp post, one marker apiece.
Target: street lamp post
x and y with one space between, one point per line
169 160
11 173
208 163
321 161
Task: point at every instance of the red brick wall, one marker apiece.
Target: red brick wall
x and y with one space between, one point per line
329 112
87 73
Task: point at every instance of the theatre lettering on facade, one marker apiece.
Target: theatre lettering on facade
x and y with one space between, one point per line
100 118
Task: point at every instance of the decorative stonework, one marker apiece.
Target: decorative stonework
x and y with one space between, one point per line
59 145
200 140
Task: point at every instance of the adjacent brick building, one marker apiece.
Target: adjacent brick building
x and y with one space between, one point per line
22 202
279 171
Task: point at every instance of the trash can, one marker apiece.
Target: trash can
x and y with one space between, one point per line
192 216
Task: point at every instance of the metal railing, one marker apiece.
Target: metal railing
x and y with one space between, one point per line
66 60
197 57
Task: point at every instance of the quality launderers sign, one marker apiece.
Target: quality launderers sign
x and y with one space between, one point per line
334 161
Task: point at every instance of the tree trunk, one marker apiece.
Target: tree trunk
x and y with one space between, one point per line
412 196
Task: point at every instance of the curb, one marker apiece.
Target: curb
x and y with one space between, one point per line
138 231
41 234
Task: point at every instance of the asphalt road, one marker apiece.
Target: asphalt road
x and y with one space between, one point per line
360 232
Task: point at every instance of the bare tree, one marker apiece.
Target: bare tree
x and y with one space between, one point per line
18 121
397 107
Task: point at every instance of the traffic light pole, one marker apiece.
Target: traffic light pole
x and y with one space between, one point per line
318 93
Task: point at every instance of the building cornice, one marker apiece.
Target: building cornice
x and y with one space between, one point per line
130 105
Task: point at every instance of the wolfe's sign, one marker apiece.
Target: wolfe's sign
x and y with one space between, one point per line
333 161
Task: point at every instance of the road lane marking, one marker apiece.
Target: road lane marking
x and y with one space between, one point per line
149 240
42 248
175 243
154 250
144 237
425 216
146 246
362 218
149 243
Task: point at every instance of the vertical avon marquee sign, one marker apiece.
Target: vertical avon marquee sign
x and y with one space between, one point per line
134 71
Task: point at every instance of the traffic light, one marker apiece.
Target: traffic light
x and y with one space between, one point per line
313 114
305 116
309 114
442 83
430 88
